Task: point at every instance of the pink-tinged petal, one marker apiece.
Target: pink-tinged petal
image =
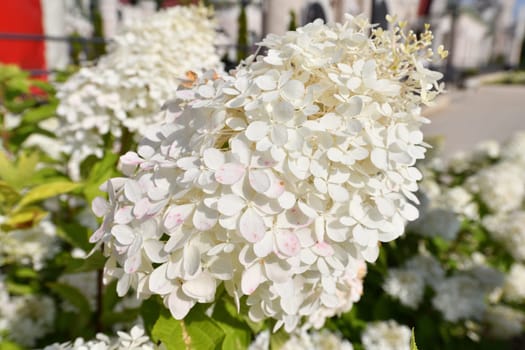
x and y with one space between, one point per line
288 243
141 208
257 130
179 304
124 215
251 278
100 206
123 285
176 215
132 191
201 288
97 235
251 226
132 263
204 218
264 247
191 261
123 234
230 204
155 251
259 180
323 249
277 186
158 281
131 158
229 173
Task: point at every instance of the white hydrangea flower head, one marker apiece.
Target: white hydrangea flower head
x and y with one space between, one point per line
27 318
512 150
322 340
134 340
386 335
509 230
122 92
32 246
460 297
514 286
504 322
279 180
500 186
406 285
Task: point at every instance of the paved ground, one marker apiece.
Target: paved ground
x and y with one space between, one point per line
487 112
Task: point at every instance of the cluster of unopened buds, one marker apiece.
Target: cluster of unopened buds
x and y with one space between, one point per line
277 181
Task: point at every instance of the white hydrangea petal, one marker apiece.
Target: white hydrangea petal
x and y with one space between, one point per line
230 204
251 226
257 130
201 288
213 158
123 234
259 180
229 173
99 206
158 281
179 304
251 278
204 218
191 260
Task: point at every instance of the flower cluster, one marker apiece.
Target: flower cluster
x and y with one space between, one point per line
26 318
322 340
386 335
278 181
124 90
31 246
134 340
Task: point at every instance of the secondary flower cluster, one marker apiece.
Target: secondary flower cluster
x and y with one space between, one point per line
321 340
123 91
29 246
24 318
472 220
278 181
134 340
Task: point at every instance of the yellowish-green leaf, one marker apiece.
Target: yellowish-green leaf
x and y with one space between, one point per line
48 190
25 218
8 196
18 174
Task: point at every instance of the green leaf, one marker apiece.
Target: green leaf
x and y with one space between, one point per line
204 333
277 340
76 234
168 330
7 345
196 332
413 345
24 218
74 297
237 333
94 262
48 190
35 115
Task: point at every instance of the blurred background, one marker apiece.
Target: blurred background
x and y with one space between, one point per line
485 39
